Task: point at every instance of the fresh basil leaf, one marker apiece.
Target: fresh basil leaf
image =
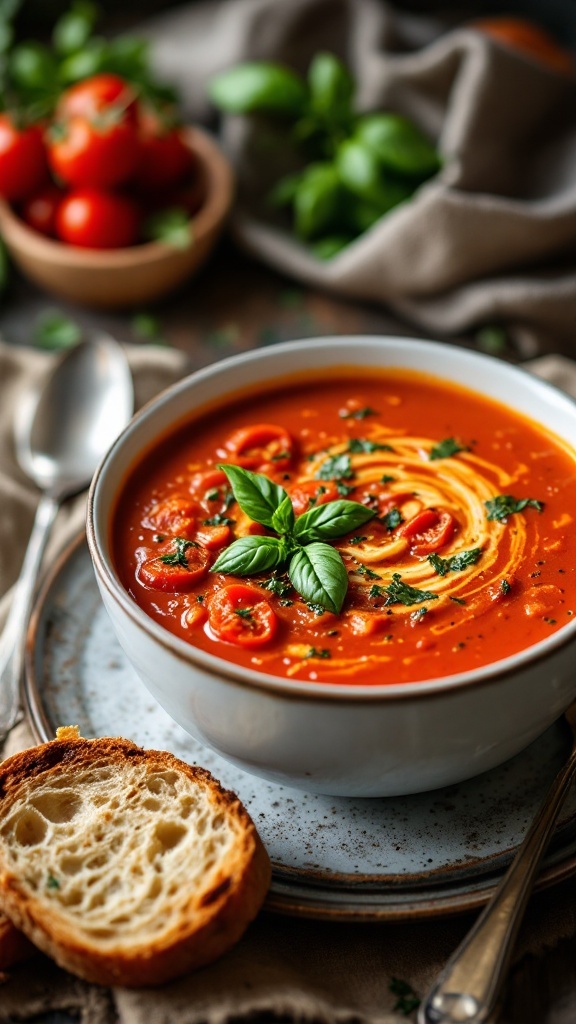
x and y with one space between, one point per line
331 520
259 87
172 226
249 555
319 575
392 519
398 144
178 556
316 200
360 170
283 518
503 505
257 496
455 563
444 449
331 86
32 66
72 31
86 62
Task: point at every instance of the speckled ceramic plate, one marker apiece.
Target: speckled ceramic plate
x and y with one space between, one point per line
391 858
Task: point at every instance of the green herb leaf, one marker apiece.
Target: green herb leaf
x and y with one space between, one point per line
144 325
316 200
318 652
277 585
336 467
318 573
54 330
331 520
259 87
363 570
257 496
331 86
419 614
359 446
249 555
392 519
218 520
52 883
455 563
505 587
402 593
172 226
458 600
444 449
178 557
283 518
244 613
504 505
398 144
284 191
72 31
357 540
407 1000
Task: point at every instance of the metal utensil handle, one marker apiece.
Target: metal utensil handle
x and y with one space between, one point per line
467 990
13 637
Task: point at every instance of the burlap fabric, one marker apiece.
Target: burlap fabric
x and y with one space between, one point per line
491 238
304 970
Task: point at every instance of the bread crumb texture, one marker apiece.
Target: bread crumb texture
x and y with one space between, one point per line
125 864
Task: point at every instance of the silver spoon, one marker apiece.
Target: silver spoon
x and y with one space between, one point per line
468 988
62 431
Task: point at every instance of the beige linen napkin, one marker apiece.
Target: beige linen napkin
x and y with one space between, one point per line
491 238
305 970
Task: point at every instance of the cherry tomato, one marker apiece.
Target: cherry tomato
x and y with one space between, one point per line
262 447
177 516
40 209
526 36
97 94
23 167
97 220
241 615
189 564
428 530
98 152
310 493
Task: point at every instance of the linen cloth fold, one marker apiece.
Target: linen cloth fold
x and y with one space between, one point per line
490 239
310 971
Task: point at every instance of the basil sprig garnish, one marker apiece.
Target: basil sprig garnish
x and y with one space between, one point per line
504 505
455 563
315 569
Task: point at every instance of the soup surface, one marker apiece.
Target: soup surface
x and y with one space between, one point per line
372 529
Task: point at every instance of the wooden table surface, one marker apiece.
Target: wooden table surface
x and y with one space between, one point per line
236 304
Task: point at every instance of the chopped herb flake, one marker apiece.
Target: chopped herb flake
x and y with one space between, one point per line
376 591
386 479
504 505
444 449
458 600
551 622
336 467
212 495
505 586
456 563
318 609
359 446
363 570
178 557
402 593
277 586
357 540
418 615
281 455
52 883
343 489
407 1000
218 520
245 613
357 414
318 652
392 519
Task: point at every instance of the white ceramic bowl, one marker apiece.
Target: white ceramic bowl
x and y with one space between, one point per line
338 739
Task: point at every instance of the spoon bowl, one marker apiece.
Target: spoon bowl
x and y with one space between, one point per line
62 432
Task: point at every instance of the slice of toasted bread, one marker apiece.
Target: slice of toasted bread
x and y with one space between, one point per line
126 866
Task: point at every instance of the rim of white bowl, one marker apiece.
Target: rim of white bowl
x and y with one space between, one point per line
491 673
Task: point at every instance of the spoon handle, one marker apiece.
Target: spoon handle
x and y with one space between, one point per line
13 638
468 988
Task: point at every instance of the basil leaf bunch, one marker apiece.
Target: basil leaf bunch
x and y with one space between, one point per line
357 166
315 568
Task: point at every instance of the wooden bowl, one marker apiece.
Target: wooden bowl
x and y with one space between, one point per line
135 275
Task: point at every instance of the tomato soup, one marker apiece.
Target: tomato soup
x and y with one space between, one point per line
354 529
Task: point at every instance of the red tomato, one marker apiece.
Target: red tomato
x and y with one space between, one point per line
97 220
428 531
96 94
23 167
311 493
524 35
97 153
39 211
177 516
262 447
190 564
241 615
166 159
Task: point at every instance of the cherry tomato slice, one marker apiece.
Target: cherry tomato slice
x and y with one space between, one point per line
260 447
214 537
310 493
190 564
241 615
177 516
428 530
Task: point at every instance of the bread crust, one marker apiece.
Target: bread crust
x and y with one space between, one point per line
14 946
205 923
